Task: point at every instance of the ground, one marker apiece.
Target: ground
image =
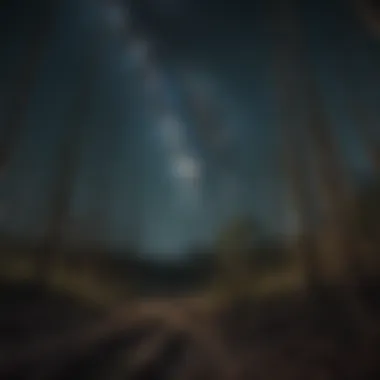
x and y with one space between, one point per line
49 336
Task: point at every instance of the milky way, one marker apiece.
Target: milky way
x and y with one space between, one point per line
152 173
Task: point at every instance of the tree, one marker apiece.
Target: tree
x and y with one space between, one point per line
365 126
23 86
338 240
333 189
356 104
287 46
68 162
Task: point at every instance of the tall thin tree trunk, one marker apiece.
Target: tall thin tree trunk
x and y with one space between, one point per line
22 88
365 123
360 111
289 96
67 173
355 89
338 241
334 192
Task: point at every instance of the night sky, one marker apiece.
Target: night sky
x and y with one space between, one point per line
141 183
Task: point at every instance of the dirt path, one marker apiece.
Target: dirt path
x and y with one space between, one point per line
183 338
167 318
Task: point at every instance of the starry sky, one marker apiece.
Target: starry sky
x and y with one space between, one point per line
152 179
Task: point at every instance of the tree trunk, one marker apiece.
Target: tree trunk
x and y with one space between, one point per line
67 173
336 195
365 122
21 91
338 239
355 103
365 125
288 98
333 189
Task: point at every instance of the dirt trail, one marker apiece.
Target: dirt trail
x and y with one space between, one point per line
169 318
180 338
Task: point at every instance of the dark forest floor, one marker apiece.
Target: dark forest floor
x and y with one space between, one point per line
278 339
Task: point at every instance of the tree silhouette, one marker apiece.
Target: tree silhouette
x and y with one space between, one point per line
286 56
24 84
333 190
68 164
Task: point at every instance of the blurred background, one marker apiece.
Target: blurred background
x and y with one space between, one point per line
187 157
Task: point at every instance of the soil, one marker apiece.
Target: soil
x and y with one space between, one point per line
50 336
